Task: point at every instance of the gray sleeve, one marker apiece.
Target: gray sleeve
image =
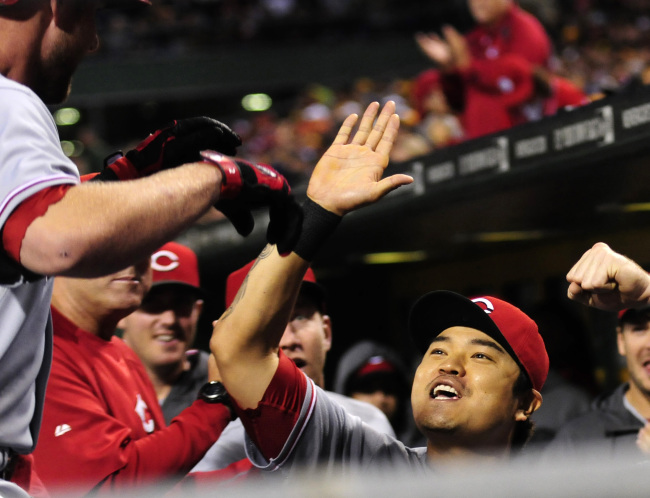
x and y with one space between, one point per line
228 449
31 158
327 435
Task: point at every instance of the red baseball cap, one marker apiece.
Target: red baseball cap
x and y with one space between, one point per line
623 315
515 331
175 264
376 364
309 287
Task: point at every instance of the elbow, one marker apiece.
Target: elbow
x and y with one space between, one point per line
50 252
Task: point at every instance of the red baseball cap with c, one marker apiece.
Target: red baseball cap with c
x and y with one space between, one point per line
515 331
176 264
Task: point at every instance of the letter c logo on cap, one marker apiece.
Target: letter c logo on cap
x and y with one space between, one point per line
158 266
489 307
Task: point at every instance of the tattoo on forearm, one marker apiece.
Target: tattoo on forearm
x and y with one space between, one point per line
242 290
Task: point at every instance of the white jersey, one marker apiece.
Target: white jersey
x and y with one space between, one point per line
30 159
230 447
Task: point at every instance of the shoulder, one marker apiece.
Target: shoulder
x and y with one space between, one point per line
368 413
519 17
21 100
592 423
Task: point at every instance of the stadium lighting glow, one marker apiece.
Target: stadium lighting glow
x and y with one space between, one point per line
256 102
67 116
509 236
390 258
72 148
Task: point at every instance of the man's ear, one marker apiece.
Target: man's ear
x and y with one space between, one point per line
530 402
620 343
327 329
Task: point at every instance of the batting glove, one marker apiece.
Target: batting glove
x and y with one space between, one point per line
178 143
246 186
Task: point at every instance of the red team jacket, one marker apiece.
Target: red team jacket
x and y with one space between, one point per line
518 34
500 94
102 423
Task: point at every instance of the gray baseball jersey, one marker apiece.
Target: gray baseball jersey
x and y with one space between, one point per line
324 435
30 159
230 447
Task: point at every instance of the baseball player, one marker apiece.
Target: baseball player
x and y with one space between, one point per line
162 330
52 225
483 364
103 429
306 340
617 424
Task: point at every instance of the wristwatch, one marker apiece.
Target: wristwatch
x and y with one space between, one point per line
215 392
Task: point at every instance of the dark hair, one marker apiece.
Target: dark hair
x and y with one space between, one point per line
523 429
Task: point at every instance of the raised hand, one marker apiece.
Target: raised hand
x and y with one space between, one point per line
458 47
604 279
436 49
349 175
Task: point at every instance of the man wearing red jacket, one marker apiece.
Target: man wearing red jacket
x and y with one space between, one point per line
103 429
503 30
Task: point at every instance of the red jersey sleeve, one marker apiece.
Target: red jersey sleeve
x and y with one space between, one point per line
279 409
23 216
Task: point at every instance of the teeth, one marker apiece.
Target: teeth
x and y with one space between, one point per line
165 338
444 389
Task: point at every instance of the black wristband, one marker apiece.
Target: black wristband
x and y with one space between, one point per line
317 225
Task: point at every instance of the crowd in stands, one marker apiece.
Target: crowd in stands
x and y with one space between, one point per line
129 403
598 46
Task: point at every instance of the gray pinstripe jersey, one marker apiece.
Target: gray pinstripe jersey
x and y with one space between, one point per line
230 448
30 160
326 437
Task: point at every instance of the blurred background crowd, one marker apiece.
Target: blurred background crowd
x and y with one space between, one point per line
600 46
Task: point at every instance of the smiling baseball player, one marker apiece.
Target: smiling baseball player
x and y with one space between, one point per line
52 225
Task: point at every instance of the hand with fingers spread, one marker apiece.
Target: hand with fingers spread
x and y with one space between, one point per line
607 280
349 175
436 49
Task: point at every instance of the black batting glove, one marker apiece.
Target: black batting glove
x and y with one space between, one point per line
178 143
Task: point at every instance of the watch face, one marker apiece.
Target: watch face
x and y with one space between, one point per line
214 392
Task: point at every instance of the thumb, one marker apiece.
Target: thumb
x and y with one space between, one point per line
390 183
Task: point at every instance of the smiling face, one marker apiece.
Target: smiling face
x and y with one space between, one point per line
463 391
163 328
119 292
634 343
307 339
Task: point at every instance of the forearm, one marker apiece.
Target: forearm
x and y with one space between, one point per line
98 228
171 452
349 175
245 340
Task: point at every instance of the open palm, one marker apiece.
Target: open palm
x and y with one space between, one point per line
349 175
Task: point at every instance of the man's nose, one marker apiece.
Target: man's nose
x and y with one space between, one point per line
289 339
452 365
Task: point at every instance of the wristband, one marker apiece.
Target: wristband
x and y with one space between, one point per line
317 225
